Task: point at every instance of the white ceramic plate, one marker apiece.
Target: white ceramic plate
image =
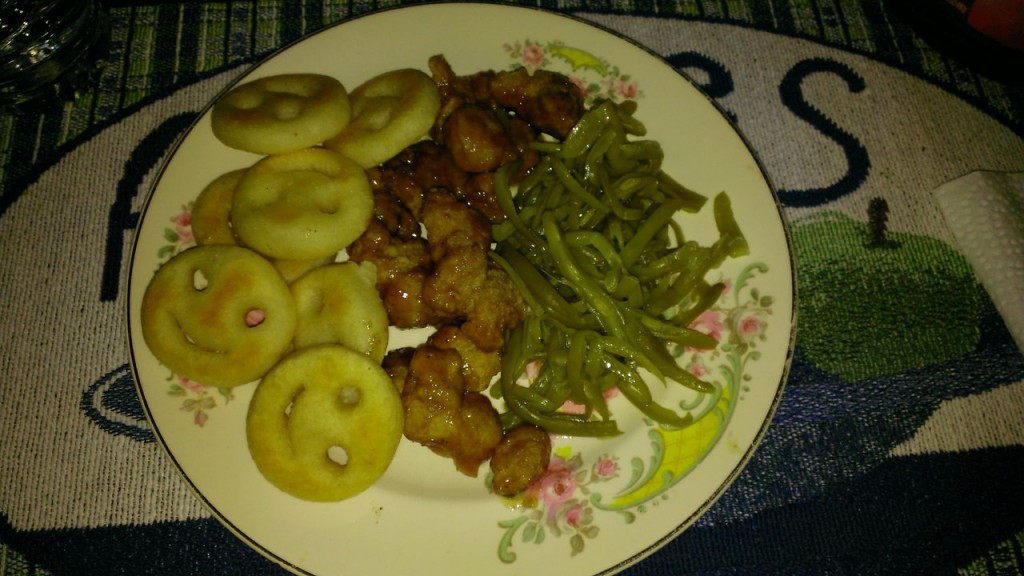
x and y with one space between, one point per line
604 504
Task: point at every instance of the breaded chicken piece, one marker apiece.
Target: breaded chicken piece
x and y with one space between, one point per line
478 367
477 139
496 308
396 364
442 415
451 224
547 100
419 168
520 459
432 396
392 255
479 433
456 281
406 304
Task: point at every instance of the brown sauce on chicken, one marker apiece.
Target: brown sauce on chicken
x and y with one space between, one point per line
434 208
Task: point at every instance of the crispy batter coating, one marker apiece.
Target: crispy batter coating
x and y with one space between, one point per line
453 225
432 396
478 434
406 305
478 367
396 364
479 194
455 282
394 214
520 459
496 308
442 415
477 140
549 101
392 255
421 167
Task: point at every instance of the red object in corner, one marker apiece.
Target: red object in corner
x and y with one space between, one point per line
1000 20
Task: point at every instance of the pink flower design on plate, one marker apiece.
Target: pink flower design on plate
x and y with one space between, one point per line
606 467
698 369
533 55
627 90
183 226
556 487
710 323
750 327
190 385
574 515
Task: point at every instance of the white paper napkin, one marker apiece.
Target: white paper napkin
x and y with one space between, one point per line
986 213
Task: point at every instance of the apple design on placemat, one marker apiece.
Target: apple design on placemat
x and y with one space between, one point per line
867 302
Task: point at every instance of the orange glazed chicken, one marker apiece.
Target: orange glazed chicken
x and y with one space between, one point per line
434 207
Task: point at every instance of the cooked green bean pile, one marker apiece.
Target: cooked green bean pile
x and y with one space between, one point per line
610 278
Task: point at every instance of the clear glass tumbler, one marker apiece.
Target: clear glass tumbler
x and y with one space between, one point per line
49 49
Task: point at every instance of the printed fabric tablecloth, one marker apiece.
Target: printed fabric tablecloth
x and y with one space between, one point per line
898 445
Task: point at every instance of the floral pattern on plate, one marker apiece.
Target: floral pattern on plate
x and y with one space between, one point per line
568 500
596 77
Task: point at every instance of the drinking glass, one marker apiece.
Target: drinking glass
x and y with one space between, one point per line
50 50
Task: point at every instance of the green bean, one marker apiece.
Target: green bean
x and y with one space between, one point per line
707 294
682 286
728 228
647 153
692 201
589 128
630 124
592 242
599 242
669 332
537 289
598 301
537 175
635 389
620 348
574 375
561 422
594 164
575 188
689 256
655 222
503 195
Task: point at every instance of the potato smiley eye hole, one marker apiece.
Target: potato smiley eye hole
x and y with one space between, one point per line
199 281
349 395
338 455
255 317
287 107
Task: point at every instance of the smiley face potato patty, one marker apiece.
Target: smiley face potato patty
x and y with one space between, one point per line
301 205
218 315
281 113
324 424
